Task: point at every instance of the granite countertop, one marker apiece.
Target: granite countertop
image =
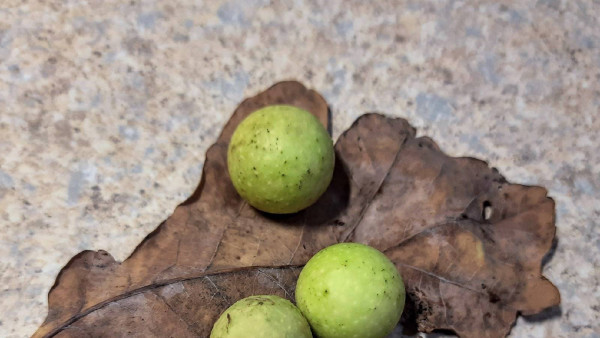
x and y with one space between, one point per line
107 109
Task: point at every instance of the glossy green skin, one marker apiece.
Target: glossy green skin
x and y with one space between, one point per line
261 316
280 159
350 290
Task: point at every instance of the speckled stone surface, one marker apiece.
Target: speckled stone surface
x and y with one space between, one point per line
107 108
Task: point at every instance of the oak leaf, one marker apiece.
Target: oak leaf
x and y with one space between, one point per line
468 244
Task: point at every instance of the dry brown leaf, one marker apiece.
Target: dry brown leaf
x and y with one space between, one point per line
468 244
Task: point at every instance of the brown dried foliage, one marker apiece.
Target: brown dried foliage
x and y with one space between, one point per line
468 244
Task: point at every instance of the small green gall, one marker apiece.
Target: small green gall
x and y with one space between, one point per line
280 159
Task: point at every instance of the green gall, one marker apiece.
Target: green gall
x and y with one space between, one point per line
350 290
280 159
261 316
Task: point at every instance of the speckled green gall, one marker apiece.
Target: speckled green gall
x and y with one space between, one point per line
261 316
350 290
280 159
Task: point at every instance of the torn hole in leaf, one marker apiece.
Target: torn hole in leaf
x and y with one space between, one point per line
487 210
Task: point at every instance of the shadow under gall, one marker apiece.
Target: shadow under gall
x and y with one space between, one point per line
326 209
